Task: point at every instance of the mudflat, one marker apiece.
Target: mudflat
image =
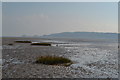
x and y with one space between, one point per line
90 60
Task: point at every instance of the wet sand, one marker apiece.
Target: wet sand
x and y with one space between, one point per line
19 58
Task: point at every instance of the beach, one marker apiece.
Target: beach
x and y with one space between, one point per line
91 58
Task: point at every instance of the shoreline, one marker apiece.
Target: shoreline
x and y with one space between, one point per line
19 58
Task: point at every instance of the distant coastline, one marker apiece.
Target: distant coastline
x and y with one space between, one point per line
79 35
83 35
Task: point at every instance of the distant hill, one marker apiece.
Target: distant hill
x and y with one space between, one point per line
83 35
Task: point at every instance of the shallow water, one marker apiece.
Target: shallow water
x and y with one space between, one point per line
92 59
100 59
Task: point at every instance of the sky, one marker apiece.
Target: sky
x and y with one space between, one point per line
43 18
59 0
0 18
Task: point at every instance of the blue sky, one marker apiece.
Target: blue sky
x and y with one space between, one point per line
0 19
41 18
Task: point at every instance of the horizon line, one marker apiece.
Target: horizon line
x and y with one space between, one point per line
61 32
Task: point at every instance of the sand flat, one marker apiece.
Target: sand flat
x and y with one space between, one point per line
91 60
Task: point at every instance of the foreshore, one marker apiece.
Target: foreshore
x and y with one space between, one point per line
19 61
